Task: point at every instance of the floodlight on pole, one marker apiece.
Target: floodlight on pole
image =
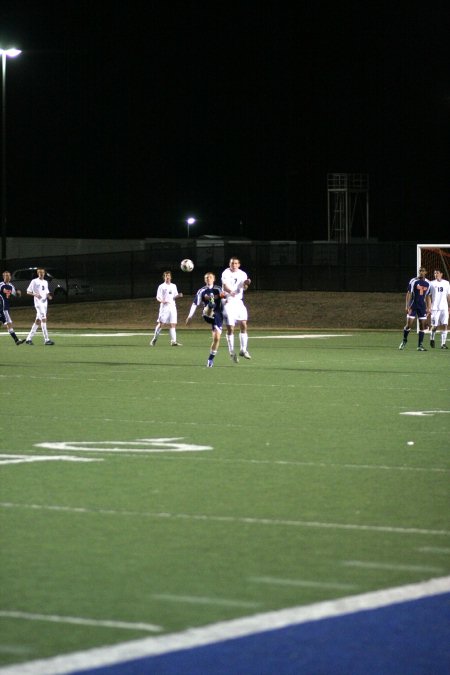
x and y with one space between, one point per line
189 222
11 53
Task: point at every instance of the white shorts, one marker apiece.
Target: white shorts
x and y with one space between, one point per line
234 311
41 309
439 317
167 313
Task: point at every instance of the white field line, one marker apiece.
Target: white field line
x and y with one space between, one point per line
320 465
25 459
434 549
228 630
145 334
131 452
426 413
301 583
202 600
203 518
300 337
127 452
372 565
59 334
76 620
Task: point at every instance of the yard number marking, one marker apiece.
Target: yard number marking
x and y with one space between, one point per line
145 445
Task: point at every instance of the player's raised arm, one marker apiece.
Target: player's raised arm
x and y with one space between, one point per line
191 313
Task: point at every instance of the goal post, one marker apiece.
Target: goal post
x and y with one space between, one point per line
432 257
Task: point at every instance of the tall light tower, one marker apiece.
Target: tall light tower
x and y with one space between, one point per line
11 53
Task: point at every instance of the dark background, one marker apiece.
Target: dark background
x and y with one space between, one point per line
124 118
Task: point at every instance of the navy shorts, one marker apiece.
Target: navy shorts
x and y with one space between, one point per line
216 321
417 309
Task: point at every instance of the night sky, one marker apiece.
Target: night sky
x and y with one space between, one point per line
125 117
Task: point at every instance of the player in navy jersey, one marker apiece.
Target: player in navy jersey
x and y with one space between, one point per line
7 290
418 306
210 296
2 313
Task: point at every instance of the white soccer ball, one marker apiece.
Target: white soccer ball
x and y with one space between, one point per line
186 265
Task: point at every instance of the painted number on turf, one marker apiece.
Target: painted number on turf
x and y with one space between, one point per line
144 445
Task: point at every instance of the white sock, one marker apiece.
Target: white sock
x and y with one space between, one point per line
44 330
32 332
173 334
443 336
243 338
230 342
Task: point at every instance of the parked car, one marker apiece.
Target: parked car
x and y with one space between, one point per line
58 284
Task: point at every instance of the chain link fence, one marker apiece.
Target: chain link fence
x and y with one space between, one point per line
274 266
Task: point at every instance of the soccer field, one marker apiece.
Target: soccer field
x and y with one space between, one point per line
143 494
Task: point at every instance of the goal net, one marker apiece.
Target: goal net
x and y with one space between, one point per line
434 257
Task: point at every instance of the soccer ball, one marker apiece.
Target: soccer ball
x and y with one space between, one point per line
186 265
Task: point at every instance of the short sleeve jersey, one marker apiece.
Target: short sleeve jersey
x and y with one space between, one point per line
234 281
167 293
439 291
39 286
419 289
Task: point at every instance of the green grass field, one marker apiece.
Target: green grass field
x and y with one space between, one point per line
142 493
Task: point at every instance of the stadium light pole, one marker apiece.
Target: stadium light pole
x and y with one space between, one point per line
189 222
11 53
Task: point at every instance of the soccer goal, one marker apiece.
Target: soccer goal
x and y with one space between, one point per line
432 257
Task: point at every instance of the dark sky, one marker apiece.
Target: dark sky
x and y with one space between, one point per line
124 117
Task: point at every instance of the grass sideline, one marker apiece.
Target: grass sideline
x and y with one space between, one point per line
319 469
267 309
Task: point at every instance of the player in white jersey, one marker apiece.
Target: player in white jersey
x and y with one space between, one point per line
166 295
234 282
40 291
440 297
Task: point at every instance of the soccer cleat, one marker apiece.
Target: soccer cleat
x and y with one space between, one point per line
174 343
402 344
245 354
20 342
28 342
444 346
234 357
432 344
49 342
421 348
153 342
209 363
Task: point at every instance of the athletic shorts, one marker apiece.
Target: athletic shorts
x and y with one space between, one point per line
216 321
234 311
167 314
439 317
41 309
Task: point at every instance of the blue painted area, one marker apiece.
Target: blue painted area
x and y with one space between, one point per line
411 638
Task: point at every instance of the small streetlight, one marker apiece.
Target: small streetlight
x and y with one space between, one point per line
10 53
189 222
